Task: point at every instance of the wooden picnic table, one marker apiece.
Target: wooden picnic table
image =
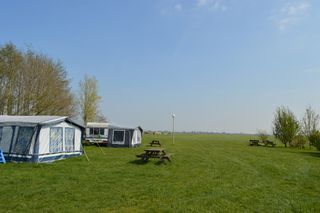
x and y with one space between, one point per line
263 143
271 143
154 153
155 143
254 142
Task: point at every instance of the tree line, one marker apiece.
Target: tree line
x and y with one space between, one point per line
294 133
34 84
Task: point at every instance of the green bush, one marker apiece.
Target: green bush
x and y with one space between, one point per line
299 141
314 139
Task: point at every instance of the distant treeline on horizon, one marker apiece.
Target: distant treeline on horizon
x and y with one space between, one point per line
195 133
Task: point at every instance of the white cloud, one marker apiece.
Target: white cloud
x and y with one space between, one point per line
291 14
212 4
178 7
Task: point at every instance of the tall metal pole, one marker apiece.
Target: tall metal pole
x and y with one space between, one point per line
173 116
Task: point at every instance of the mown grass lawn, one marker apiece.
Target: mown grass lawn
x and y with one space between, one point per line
219 173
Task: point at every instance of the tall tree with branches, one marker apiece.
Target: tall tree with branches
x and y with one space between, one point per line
309 123
89 100
285 125
33 84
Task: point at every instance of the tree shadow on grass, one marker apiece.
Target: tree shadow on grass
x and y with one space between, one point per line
312 154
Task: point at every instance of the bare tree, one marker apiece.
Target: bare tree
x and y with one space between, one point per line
33 84
11 61
309 123
101 117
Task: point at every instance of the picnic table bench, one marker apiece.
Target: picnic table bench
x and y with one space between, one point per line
254 142
155 143
271 143
154 153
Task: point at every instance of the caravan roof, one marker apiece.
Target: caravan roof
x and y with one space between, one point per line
96 124
110 126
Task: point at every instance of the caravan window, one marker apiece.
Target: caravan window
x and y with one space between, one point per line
69 139
24 139
6 137
101 131
96 131
56 139
0 134
118 136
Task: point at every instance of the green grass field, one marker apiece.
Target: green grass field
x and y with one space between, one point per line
219 173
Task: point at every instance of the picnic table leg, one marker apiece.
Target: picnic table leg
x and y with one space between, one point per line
145 158
165 158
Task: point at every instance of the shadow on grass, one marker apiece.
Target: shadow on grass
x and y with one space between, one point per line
95 145
160 162
312 154
143 162
139 162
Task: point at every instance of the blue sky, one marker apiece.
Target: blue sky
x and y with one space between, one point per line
219 65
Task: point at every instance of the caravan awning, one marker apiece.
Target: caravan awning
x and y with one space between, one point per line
34 120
